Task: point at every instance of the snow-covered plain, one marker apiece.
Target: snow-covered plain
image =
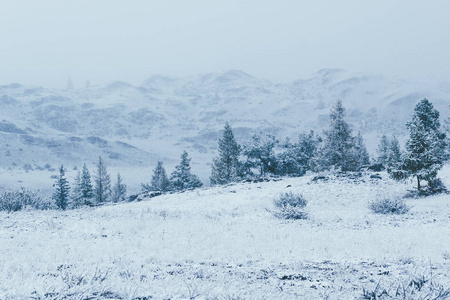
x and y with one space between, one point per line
224 243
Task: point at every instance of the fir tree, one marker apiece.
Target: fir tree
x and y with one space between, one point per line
77 197
87 191
260 153
393 155
119 190
102 189
61 195
159 182
182 178
226 167
382 150
360 154
425 148
309 146
338 144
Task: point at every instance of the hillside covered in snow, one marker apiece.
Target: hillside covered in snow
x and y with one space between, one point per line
134 126
225 243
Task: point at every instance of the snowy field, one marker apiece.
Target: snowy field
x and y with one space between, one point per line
225 243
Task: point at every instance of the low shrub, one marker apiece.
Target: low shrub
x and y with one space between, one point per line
16 200
388 205
436 186
290 206
413 287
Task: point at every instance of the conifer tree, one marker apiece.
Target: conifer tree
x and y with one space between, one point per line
260 153
425 148
393 155
382 150
291 161
338 144
159 182
77 198
119 190
360 154
102 191
309 145
226 166
86 189
61 195
182 178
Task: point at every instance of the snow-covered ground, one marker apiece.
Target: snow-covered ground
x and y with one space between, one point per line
225 243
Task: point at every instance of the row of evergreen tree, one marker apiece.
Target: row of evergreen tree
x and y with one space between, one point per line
336 148
84 192
181 178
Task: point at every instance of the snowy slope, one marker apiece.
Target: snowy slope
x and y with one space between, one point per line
224 242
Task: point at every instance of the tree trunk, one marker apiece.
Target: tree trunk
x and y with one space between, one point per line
418 183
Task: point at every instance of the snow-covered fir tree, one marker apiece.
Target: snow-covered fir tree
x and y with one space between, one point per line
291 161
393 155
160 182
308 148
61 195
119 192
338 142
86 189
360 154
102 190
260 153
425 148
226 167
77 197
382 150
182 178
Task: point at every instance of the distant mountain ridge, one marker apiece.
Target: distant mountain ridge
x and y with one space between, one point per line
165 115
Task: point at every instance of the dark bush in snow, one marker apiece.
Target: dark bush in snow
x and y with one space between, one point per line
290 206
387 205
436 186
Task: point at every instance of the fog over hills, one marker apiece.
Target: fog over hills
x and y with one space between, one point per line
138 125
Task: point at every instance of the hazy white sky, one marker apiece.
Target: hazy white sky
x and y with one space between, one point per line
47 41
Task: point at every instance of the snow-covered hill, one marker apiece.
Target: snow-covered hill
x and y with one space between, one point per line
224 243
138 125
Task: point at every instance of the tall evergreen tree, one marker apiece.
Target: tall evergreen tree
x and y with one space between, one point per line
86 189
225 168
360 154
61 195
182 178
102 191
77 198
393 154
309 144
338 142
159 182
119 190
425 148
382 150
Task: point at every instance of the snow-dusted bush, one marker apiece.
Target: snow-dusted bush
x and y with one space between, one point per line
290 206
436 186
18 199
422 286
11 201
388 205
